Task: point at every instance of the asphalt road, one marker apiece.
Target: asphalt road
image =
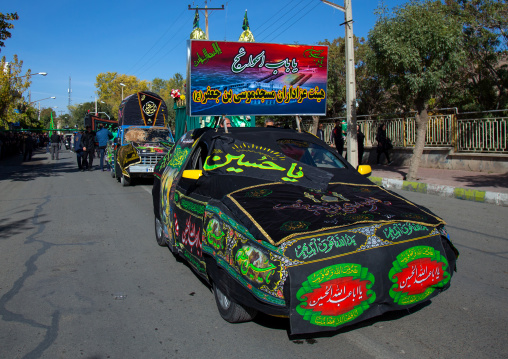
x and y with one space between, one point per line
82 277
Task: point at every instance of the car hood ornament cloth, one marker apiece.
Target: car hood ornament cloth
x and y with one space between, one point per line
278 212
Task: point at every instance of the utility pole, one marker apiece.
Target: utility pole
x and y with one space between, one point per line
69 90
206 8
352 143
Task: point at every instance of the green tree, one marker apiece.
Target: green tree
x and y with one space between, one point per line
336 86
65 120
13 84
482 81
109 89
80 110
414 50
160 87
6 25
45 116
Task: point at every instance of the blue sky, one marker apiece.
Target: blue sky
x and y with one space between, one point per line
147 39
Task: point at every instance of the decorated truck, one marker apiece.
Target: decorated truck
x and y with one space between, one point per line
143 138
95 121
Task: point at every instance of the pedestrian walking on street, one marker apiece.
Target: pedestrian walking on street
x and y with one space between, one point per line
384 144
88 146
103 136
320 133
79 150
338 136
28 147
360 138
55 143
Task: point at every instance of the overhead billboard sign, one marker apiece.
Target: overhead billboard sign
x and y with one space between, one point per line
248 78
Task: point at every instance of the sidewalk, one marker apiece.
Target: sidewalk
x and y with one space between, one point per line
473 186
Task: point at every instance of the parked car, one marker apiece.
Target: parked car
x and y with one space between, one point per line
276 221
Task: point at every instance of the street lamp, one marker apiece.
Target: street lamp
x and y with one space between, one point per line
42 99
39 116
38 73
121 84
96 105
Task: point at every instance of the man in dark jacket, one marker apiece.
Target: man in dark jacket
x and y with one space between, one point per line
338 136
383 143
28 147
79 150
88 146
55 145
360 138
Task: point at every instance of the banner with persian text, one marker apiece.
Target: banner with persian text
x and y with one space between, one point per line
239 78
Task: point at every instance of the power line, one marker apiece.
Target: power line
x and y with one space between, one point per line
162 57
294 22
159 39
271 17
276 14
142 69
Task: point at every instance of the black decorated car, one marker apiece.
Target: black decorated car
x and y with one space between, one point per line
276 221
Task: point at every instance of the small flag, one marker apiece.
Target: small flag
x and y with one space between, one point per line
51 125
245 25
196 19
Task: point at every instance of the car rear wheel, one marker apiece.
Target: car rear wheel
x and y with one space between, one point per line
231 311
118 172
159 233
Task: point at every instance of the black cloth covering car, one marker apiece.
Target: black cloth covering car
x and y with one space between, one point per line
276 221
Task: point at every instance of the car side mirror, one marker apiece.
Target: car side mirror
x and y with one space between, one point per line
192 174
365 170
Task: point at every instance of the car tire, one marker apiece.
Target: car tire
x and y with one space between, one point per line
159 233
231 311
118 172
125 181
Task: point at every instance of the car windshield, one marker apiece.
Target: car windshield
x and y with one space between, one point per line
140 135
309 153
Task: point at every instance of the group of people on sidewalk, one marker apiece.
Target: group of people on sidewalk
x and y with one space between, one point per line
84 147
21 143
384 144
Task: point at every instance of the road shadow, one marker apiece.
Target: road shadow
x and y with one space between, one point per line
499 180
10 228
393 169
15 169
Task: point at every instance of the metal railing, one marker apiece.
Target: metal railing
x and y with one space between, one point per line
477 135
486 135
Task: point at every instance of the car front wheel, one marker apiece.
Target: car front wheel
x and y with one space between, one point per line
125 181
231 311
159 236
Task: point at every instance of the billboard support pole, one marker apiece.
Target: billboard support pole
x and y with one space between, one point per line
298 123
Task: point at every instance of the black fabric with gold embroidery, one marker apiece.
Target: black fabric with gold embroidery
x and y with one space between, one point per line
126 157
281 212
142 109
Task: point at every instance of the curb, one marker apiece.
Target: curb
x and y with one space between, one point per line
499 199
